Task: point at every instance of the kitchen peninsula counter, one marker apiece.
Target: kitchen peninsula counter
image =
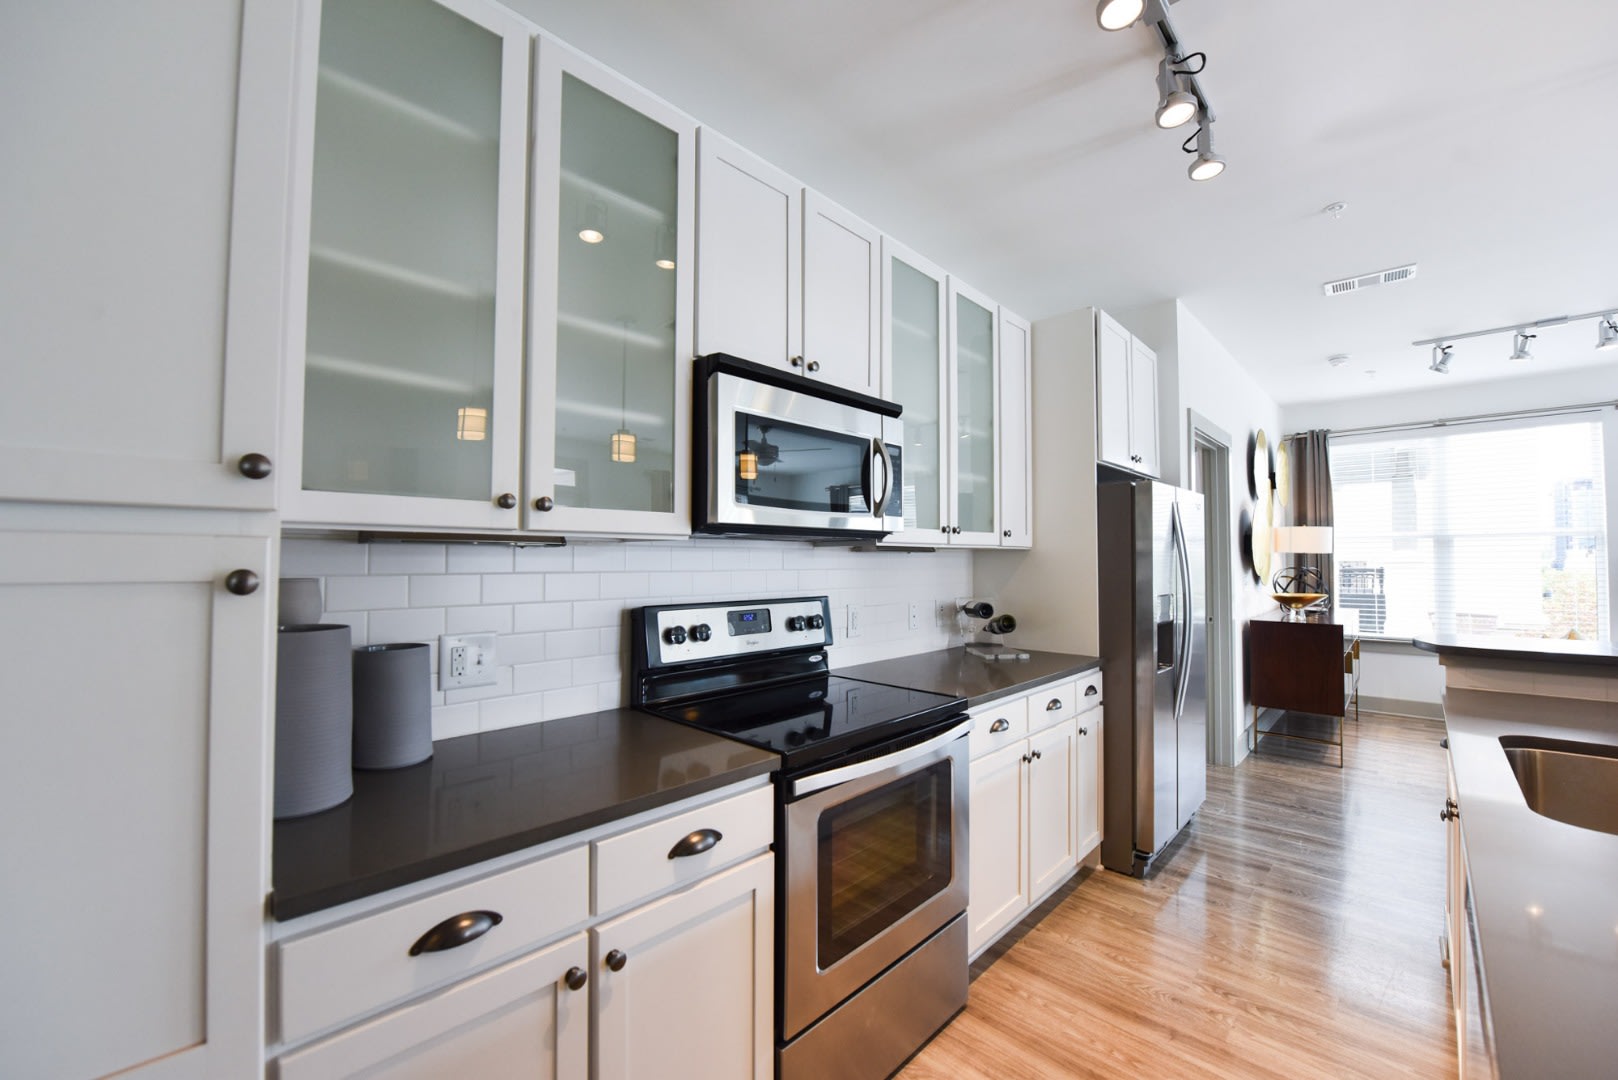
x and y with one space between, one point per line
960 674
481 796
1544 893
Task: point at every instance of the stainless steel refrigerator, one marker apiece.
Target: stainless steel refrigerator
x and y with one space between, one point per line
1155 669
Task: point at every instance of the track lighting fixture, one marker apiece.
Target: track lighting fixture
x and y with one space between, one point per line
1179 93
1607 333
1208 164
1175 105
1521 338
1119 14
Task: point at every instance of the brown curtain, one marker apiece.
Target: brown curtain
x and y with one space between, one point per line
1311 496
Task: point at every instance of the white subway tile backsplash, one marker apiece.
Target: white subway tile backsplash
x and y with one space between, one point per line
543 560
647 556
409 558
550 675
691 558
479 558
593 558
452 721
596 669
507 712
481 619
749 581
781 582
591 614
530 617
520 648
574 586
513 588
620 586
305 557
567 644
445 590
670 586
356 621
570 702
410 624
361 593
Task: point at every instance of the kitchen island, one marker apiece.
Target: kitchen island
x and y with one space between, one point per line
1544 893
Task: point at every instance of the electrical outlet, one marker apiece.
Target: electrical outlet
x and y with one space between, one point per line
466 660
853 621
915 615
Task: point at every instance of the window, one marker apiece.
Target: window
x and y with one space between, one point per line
1496 529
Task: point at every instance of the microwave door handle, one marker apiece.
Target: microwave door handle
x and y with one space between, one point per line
879 509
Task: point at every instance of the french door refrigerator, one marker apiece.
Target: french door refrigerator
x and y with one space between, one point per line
1154 665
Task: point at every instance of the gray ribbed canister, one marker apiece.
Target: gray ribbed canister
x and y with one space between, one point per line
393 714
314 719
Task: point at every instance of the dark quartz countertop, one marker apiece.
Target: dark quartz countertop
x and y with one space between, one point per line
480 796
960 674
1558 650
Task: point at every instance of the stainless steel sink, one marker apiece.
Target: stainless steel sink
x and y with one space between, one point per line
1573 782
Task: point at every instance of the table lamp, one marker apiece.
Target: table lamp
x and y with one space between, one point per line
1297 588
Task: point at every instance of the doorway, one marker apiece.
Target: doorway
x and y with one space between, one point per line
1210 476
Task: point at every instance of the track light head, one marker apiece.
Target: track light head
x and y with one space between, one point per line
1175 104
1208 164
1440 362
1119 14
1607 333
1519 346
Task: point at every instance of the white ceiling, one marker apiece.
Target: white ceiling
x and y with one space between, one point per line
1013 143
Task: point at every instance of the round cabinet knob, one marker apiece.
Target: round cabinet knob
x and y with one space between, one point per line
956 529
1084 731
254 466
1006 534
816 622
507 501
544 502
575 978
796 623
814 365
242 582
616 960
701 632
674 635
796 361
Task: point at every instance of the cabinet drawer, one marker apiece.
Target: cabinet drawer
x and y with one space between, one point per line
985 720
642 862
340 973
1087 692
1052 704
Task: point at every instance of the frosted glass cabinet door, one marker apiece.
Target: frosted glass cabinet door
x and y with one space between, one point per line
913 334
410 377
974 374
610 341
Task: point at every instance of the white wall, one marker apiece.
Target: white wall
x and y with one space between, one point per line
560 612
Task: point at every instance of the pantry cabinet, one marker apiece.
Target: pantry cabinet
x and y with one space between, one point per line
1126 399
786 277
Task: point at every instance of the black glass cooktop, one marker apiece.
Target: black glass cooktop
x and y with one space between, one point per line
815 718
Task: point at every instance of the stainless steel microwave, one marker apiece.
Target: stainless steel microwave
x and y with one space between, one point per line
778 454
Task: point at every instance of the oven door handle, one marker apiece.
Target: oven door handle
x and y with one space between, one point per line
808 785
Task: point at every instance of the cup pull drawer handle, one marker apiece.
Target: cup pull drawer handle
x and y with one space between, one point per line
696 843
1053 704
457 930
1091 691
1001 724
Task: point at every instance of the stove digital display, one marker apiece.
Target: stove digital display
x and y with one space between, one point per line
752 621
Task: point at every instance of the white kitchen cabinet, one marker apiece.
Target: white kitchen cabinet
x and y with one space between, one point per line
1052 805
526 1020
998 864
974 381
403 379
143 285
1088 786
132 791
685 985
915 365
785 277
1016 429
1126 399
609 359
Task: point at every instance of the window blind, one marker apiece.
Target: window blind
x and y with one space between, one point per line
1495 529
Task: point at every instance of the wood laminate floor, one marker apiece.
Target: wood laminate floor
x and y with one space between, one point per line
1293 932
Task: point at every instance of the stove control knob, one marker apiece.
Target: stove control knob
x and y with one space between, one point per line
816 622
796 623
674 635
701 632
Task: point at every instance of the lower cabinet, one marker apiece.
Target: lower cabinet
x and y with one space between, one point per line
1035 802
671 984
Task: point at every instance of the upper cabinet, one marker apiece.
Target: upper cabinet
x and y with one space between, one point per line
915 334
1126 399
1016 432
786 277
144 257
974 393
410 373
609 358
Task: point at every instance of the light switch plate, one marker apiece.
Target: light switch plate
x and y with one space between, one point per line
466 660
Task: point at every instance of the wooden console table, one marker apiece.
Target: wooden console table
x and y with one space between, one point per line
1310 671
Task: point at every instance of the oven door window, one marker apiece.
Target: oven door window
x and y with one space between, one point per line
795 467
881 856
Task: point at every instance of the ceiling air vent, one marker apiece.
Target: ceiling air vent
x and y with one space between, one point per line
1366 281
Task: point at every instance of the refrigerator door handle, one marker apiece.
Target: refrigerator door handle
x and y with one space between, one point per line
1184 564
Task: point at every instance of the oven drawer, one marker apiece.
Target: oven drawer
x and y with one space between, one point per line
644 861
333 975
987 719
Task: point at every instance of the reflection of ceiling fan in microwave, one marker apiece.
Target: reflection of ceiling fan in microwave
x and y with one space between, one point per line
760 453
